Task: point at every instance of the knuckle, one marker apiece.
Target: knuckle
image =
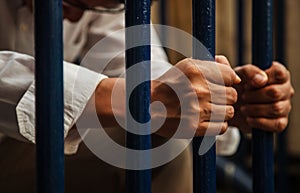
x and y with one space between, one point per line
201 91
280 73
230 112
224 128
191 70
228 75
281 124
205 111
186 61
201 130
222 56
221 59
234 95
189 67
246 70
277 109
292 91
274 93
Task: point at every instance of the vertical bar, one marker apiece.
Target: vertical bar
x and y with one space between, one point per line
138 13
240 30
234 175
49 96
163 12
282 158
240 35
204 167
262 56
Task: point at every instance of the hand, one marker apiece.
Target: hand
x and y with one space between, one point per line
264 98
211 82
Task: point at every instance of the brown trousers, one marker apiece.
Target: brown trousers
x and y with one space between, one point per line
85 173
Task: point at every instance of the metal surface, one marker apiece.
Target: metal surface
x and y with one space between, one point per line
49 96
233 175
204 167
282 157
262 50
138 13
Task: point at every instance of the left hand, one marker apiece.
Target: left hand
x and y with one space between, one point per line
264 98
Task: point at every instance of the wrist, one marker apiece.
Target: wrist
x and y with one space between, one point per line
103 101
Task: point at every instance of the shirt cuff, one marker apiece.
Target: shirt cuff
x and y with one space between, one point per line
79 85
228 143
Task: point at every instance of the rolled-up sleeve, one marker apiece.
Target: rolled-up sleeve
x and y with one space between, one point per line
79 85
18 93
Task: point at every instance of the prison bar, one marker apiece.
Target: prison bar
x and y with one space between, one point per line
282 157
234 174
262 56
204 167
138 13
49 96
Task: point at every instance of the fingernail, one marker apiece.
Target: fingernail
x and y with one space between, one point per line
238 79
259 78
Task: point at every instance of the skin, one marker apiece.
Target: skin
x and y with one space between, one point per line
242 85
203 88
271 109
74 14
268 112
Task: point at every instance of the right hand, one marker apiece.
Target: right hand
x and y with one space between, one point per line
207 80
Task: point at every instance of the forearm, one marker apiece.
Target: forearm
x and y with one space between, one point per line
109 107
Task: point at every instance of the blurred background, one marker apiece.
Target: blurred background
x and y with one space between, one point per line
232 16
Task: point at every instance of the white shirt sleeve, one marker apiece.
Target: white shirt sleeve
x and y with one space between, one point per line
228 143
17 94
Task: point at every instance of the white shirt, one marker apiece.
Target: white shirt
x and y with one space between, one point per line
17 70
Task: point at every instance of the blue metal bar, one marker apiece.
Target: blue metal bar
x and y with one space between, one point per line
49 96
262 56
282 157
204 167
138 13
163 12
234 175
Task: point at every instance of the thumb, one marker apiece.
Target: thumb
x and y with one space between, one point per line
222 60
252 77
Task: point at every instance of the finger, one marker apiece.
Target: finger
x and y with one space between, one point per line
252 76
222 94
211 128
222 60
221 74
216 113
216 73
268 94
228 74
277 74
272 125
274 110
